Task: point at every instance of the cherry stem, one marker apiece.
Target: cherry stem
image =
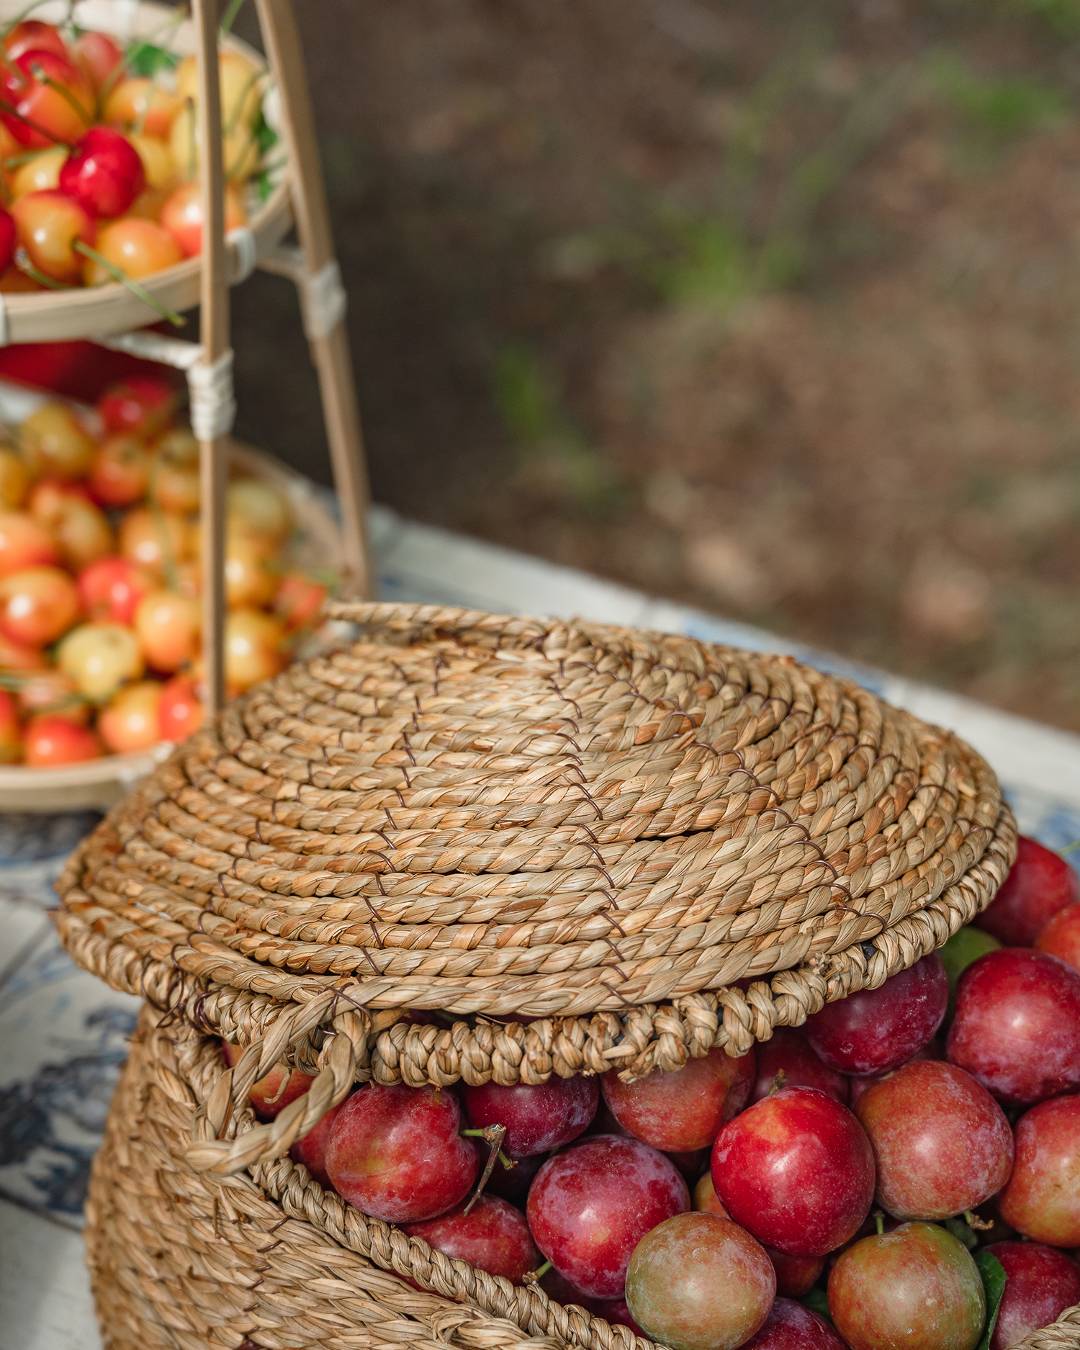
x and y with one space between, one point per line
66 94
777 1083
229 17
11 109
535 1276
135 287
24 264
241 98
493 1136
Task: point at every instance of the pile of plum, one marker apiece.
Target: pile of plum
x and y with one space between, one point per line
903 1171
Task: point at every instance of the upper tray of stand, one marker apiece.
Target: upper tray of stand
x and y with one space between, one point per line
102 311
649 844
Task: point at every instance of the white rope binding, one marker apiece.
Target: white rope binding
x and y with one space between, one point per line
213 402
246 253
322 301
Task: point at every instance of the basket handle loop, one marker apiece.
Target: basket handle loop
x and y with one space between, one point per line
342 1062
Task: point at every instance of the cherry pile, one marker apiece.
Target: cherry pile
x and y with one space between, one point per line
99 164
100 618
903 1171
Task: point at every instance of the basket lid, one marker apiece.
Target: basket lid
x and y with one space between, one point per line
650 845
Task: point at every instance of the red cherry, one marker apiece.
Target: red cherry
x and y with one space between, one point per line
120 471
493 1235
33 35
111 589
797 1170
181 711
941 1143
538 1117
52 739
878 1029
143 404
683 1109
1040 883
1040 1284
788 1060
1016 1027
25 542
37 605
47 99
50 224
299 601
182 215
591 1204
396 1153
9 237
98 56
103 172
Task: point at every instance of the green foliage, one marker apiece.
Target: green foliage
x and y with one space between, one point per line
818 1301
993 1278
147 59
1001 108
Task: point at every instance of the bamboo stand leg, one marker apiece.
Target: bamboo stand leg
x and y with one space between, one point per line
329 346
214 339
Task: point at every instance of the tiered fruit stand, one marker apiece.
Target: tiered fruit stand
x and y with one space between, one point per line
114 316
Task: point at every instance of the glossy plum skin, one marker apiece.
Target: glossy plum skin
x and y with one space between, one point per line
790 1326
941 1143
511 1183
590 1206
1040 1283
538 1117
683 1109
395 1152
916 1288
273 1092
1042 1199
699 1282
1040 883
1061 937
493 1236
795 1275
788 1060
874 1030
310 1148
796 1169
1016 1027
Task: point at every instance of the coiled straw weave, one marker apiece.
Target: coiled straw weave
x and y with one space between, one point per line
471 846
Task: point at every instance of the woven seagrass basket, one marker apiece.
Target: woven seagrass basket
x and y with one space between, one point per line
576 847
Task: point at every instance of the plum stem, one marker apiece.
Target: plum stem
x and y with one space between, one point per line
493 1136
535 1276
879 1223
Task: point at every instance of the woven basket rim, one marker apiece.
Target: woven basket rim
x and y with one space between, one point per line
758 837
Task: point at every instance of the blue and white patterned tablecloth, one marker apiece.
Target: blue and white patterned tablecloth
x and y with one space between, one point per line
63 1033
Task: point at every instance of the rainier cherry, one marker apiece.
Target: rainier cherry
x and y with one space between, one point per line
24 542
698 1282
254 648
787 1060
51 691
396 1152
942 1144
299 601
1017 1025
250 570
33 35
682 1109
83 532
1040 1284
37 605
167 626
14 479
591 1204
142 103
182 215
55 443
50 225
111 588
916 1286
103 172
493 1236
98 56
120 473
154 540
1040 883
1042 1199
790 1326
797 1170
10 734
139 248
39 174
52 739
130 722
877 1029
47 99
538 1117
99 658
180 712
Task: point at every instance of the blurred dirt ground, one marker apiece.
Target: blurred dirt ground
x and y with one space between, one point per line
772 308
